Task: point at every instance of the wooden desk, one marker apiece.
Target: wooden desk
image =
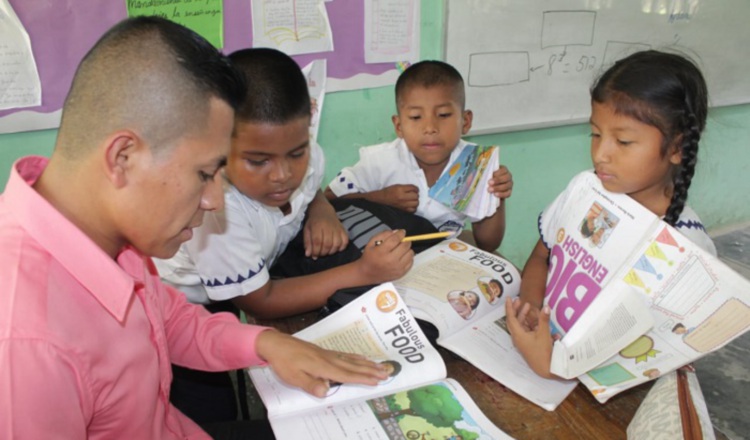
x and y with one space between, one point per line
580 416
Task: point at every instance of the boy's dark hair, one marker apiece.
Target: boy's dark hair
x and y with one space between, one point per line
666 91
428 74
148 74
277 90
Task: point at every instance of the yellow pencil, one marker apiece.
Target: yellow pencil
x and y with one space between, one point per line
429 236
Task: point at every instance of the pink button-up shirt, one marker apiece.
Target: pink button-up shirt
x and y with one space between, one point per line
86 342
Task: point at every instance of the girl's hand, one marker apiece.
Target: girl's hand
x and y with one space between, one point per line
311 368
501 183
535 345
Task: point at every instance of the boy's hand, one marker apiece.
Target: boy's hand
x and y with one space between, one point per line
404 197
386 258
534 345
311 368
323 233
501 183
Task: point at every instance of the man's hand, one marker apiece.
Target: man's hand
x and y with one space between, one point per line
404 197
501 183
385 258
535 345
311 368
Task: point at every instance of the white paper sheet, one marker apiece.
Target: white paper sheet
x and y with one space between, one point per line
19 78
391 31
292 26
315 74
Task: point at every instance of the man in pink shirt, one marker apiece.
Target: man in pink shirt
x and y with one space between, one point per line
87 330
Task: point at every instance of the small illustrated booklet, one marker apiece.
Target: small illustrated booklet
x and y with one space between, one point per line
462 290
417 401
463 186
631 297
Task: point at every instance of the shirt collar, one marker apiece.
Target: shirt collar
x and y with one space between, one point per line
110 282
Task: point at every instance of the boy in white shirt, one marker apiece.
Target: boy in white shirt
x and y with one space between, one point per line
273 176
430 122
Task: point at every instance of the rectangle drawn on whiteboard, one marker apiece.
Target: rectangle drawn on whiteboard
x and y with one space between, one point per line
568 28
498 68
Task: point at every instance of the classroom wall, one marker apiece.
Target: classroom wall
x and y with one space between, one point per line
542 161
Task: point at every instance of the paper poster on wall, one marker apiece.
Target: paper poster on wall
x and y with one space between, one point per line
205 16
391 31
19 79
62 31
292 26
315 74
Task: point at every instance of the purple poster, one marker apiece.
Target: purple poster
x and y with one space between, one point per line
61 31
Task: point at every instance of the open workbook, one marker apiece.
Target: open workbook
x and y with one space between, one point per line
464 186
462 290
631 296
417 401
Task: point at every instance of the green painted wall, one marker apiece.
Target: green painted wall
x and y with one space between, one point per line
542 161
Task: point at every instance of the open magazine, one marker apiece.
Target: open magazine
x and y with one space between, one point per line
464 186
632 297
416 401
462 290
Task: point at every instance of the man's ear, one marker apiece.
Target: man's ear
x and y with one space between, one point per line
119 157
468 118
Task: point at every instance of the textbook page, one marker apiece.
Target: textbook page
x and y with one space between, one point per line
378 325
463 186
595 234
614 319
697 303
486 343
453 283
440 410
432 289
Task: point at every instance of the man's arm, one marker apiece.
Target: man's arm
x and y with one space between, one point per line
290 296
43 395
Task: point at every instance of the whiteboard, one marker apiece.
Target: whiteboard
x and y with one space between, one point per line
530 63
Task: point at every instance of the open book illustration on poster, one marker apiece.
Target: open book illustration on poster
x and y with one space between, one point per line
631 296
416 401
463 186
462 290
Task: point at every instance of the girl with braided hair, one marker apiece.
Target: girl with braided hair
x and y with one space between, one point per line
647 114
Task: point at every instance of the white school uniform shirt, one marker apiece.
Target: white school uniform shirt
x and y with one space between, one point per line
392 163
688 223
231 252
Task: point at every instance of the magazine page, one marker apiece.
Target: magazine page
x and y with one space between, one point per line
698 305
378 325
453 284
463 186
440 410
487 345
591 236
